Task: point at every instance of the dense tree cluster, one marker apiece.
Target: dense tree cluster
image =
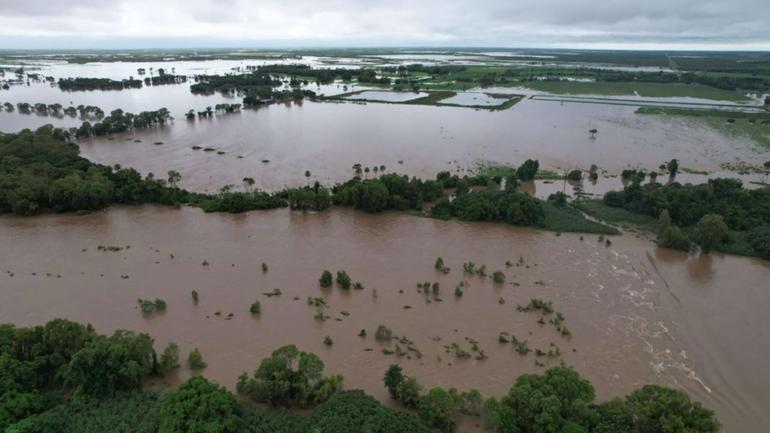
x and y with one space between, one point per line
289 377
106 372
389 191
163 79
559 400
725 82
705 211
492 205
255 88
79 83
121 121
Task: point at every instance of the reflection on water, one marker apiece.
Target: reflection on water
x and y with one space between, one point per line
636 314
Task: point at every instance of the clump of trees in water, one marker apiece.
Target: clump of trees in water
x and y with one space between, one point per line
55 109
719 214
121 121
81 83
106 374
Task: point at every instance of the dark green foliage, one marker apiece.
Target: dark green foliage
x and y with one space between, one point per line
120 121
343 280
288 378
389 191
255 308
169 359
41 172
356 412
199 406
125 413
393 378
438 409
498 277
509 206
195 360
315 198
544 403
384 333
710 232
575 175
528 170
106 365
658 409
326 279
759 238
79 83
558 199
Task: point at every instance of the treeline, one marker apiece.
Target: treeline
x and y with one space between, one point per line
163 79
704 214
54 109
256 88
559 400
79 83
725 82
41 172
121 121
63 377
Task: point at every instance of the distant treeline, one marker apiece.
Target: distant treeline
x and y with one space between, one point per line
81 83
54 109
74 84
121 121
725 82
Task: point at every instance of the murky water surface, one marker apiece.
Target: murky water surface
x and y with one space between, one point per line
637 315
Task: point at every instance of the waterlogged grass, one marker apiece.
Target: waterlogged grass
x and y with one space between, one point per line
650 90
752 126
569 219
600 211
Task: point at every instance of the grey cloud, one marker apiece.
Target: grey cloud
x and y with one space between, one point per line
706 23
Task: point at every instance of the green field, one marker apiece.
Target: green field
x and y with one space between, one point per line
650 90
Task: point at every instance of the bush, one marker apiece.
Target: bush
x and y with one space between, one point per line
195 360
326 279
710 232
759 238
169 359
498 277
528 170
383 333
200 406
343 280
439 410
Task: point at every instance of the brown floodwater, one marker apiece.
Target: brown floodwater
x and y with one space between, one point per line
328 138
637 314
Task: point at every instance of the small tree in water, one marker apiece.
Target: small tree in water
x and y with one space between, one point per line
195 360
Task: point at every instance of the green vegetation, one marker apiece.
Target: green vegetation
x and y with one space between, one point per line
559 400
255 308
649 90
195 360
75 84
106 373
148 307
289 377
326 279
715 215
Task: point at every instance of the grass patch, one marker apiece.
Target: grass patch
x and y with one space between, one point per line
548 175
653 90
615 215
568 219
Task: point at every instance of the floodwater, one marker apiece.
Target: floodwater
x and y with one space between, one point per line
387 96
637 314
328 139
474 99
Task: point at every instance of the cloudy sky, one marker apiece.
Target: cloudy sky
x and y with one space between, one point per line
646 24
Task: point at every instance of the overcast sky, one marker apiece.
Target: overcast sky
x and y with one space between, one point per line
647 24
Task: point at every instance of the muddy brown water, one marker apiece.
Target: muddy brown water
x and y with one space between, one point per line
637 314
327 139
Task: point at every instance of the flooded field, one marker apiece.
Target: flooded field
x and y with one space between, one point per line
328 139
636 314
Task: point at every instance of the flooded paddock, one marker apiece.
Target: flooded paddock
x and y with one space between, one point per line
637 314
